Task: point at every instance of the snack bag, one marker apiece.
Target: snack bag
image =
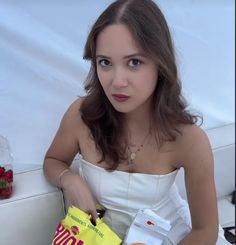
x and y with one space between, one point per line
147 228
77 229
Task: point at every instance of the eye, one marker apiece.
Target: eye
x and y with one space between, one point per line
104 63
134 63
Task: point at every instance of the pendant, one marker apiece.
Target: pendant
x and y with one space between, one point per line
132 156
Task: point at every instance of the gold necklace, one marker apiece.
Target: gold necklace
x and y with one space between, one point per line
132 155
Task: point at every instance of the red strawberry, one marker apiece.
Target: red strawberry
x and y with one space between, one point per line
8 176
6 192
2 170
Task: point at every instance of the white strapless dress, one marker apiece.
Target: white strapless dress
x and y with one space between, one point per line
123 194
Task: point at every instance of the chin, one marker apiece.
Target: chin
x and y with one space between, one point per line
122 108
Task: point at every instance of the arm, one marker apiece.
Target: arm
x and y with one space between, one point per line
59 157
200 187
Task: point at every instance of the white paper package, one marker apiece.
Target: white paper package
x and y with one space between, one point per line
148 228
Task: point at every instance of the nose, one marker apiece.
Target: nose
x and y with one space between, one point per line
120 78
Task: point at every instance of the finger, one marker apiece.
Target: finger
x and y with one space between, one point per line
94 216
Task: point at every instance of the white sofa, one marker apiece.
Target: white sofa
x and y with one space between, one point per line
31 215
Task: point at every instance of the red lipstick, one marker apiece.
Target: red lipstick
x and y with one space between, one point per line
120 97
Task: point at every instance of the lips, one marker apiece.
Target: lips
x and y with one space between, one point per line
120 97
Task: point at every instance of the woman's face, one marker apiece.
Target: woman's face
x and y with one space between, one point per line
126 74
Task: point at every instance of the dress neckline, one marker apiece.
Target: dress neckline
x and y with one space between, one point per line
124 172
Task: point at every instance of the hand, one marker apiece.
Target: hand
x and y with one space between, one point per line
78 193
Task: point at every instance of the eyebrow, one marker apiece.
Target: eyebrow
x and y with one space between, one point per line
126 57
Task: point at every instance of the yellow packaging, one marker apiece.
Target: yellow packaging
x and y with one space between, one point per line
77 229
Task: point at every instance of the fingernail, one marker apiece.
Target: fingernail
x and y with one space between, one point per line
93 222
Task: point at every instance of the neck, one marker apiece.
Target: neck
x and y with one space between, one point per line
138 120
137 129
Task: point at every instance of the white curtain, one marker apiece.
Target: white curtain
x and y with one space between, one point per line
42 70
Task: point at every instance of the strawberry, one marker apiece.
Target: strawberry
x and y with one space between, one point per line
6 192
8 176
6 179
2 170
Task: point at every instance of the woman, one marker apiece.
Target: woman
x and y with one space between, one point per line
133 131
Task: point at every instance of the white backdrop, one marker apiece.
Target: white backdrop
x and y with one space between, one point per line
42 70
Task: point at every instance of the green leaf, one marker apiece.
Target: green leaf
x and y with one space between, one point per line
3 184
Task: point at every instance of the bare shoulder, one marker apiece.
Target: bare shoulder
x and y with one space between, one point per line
72 115
192 134
193 144
74 108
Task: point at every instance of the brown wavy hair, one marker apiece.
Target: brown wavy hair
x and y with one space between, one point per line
149 27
